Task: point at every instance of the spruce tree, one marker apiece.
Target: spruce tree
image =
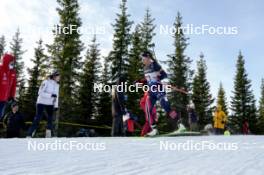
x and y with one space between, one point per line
221 99
147 31
21 93
179 69
16 50
88 99
135 71
121 41
242 101
202 97
65 54
36 75
261 109
104 105
2 45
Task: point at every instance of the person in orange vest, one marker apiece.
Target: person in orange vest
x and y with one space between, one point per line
7 82
220 120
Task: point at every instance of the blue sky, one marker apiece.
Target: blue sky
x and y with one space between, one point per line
220 50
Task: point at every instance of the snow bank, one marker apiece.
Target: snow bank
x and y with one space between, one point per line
214 155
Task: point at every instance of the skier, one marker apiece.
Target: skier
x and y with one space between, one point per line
13 122
150 116
7 82
118 109
48 96
153 75
220 120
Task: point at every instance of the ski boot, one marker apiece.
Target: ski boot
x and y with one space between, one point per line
153 132
32 135
48 133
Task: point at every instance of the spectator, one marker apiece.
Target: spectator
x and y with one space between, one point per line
7 82
48 97
220 120
192 117
246 128
13 122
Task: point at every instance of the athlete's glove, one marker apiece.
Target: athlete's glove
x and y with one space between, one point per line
54 95
11 99
163 75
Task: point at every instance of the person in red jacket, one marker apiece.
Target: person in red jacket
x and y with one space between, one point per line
7 81
245 127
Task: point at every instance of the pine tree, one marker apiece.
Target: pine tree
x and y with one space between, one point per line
147 31
242 101
135 71
179 69
2 45
121 41
261 109
21 93
104 105
36 75
221 99
88 99
202 97
65 54
16 50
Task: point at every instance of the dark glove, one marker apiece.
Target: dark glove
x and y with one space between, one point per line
163 75
56 109
54 95
10 100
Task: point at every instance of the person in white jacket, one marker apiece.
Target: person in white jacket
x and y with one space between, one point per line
48 96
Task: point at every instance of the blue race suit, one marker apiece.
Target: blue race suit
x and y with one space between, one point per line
153 75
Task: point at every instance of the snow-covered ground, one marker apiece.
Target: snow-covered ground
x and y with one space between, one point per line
215 155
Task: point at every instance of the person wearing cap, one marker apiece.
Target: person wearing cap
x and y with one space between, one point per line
48 96
13 122
153 75
7 82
